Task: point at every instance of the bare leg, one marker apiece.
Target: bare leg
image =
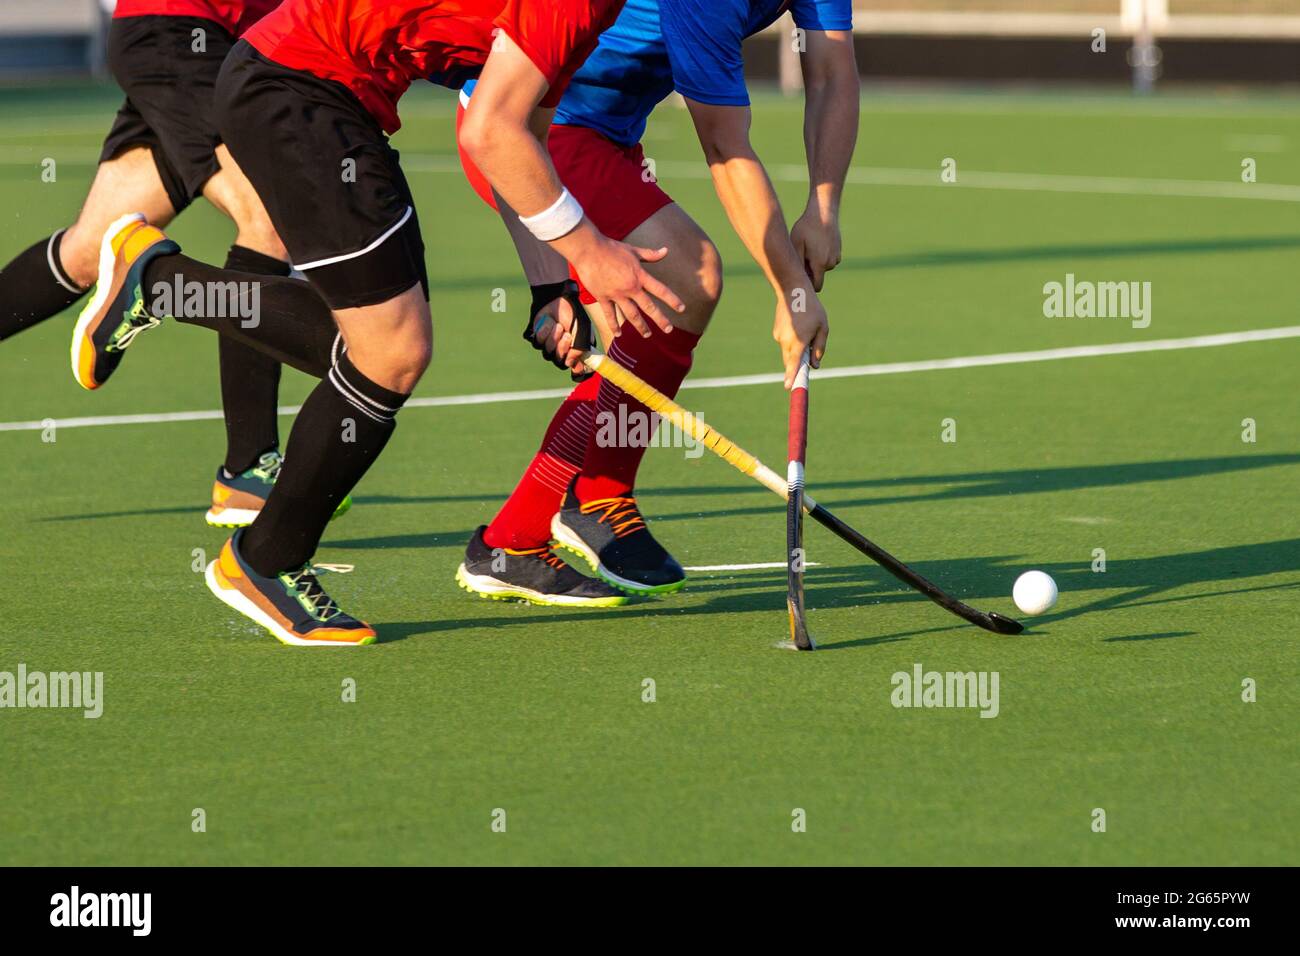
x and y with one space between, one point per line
129 182
231 192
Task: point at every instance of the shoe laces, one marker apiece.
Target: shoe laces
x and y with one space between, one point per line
543 554
268 468
138 321
308 592
621 514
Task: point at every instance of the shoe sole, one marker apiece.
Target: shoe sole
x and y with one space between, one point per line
230 517
486 587
230 596
570 541
103 286
243 517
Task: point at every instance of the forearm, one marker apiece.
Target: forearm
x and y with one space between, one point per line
516 163
518 166
830 121
541 263
752 206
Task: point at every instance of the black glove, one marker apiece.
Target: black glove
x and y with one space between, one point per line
544 295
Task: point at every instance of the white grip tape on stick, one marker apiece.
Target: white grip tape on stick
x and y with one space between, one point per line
557 220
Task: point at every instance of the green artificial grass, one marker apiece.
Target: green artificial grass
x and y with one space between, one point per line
1127 697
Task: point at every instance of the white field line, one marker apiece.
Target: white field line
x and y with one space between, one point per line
734 381
966 179
857 175
763 565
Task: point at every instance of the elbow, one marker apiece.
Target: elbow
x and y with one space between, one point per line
719 149
480 135
474 137
835 71
840 82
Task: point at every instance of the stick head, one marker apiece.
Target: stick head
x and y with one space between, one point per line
1004 625
799 635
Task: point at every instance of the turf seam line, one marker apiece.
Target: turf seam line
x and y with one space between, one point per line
735 381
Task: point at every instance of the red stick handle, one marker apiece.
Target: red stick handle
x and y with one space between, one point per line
798 441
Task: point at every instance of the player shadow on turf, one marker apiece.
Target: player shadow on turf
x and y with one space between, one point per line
1141 582
984 484
859 586
976 484
1163 635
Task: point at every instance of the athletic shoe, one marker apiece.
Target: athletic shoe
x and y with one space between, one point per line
291 605
238 499
612 535
536 575
117 312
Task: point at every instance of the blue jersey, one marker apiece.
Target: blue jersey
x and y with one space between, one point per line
691 46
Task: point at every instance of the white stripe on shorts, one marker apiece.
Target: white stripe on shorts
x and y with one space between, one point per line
304 266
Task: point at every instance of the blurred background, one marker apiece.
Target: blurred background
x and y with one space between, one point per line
1147 42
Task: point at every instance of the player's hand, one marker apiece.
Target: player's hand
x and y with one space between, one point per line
816 238
553 334
801 323
553 327
613 274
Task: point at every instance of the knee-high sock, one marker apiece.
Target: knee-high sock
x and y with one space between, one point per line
293 325
250 380
343 426
34 287
662 360
524 521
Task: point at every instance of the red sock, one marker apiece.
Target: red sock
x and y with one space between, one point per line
662 360
524 521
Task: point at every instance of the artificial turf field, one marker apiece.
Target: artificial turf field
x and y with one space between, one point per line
1127 697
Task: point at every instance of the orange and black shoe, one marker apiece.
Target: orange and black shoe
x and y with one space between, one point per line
611 534
117 311
291 605
535 575
238 499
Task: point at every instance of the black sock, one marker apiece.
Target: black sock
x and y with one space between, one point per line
250 380
294 325
343 426
34 287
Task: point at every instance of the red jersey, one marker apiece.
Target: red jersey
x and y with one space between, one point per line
376 48
235 15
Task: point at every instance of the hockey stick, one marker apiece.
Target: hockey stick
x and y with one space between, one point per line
794 475
747 464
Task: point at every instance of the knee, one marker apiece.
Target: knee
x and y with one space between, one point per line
267 243
79 255
710 278
398 352
702 291
407 356
256 232
416 356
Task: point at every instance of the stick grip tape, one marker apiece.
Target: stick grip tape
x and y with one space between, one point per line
798 431
688 422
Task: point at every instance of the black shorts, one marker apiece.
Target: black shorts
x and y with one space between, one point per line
168 86
330 181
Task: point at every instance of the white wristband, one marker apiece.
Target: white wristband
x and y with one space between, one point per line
558 220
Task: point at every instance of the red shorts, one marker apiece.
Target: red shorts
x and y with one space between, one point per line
616 191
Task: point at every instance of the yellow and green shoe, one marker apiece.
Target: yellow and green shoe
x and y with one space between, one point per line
117 312
238 499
